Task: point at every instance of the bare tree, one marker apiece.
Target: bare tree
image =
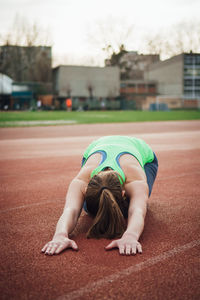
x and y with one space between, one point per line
185 37
69 90
153 44
90 89
109 35
22 57
24 33
182 37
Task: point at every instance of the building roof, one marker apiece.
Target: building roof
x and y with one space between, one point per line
84 67
162 63
170 60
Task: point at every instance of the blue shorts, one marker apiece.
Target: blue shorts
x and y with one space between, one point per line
151 170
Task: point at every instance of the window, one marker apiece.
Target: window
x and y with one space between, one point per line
123 85
197 59
141 86
197 82
188 59
192 59
190 72
198 72
188 82
151 85
188 93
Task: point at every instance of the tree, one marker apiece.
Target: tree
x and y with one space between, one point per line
116 56
69 90
21 56
110 37
24 33
90 89
182 37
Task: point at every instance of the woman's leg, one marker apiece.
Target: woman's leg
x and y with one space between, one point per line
151 170
85 207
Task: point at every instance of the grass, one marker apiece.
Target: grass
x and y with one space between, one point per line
27 118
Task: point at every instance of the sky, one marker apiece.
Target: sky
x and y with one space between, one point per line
77 28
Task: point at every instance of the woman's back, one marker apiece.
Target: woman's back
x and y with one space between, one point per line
125 155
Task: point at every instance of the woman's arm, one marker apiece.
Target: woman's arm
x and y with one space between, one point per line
69 217
128 244
72 209
138 191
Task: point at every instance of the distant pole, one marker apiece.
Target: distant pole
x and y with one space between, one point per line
193 78
157 103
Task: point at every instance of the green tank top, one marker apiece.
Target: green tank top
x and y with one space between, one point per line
112 147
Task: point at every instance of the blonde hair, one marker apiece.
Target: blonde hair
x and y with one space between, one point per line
105 202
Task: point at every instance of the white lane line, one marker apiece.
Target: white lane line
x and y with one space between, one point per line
126 272
62 146
40 122
30 205
76 139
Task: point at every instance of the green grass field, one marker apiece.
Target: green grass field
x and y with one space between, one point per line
28 118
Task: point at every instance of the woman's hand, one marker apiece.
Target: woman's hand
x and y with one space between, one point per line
58 244
127 245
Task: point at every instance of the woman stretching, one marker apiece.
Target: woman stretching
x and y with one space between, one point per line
113 186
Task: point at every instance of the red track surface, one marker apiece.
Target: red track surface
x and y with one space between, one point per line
37 165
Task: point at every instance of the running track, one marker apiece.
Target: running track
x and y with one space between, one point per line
37 165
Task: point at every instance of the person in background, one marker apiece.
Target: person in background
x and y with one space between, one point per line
39 104
69 104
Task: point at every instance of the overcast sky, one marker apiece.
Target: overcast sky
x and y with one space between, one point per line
70 21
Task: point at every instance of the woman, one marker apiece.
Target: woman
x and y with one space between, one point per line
113 185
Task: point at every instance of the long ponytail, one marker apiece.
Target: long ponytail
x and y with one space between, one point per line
109 221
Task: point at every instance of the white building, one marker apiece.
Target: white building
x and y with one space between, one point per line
177 76
86 82
5 85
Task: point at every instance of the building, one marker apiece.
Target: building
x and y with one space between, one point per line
177 77
132 65
133 88
22 96
5 91
22 64
87 86
5 84
136 92
30 68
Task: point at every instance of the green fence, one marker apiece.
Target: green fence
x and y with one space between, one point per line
95 104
